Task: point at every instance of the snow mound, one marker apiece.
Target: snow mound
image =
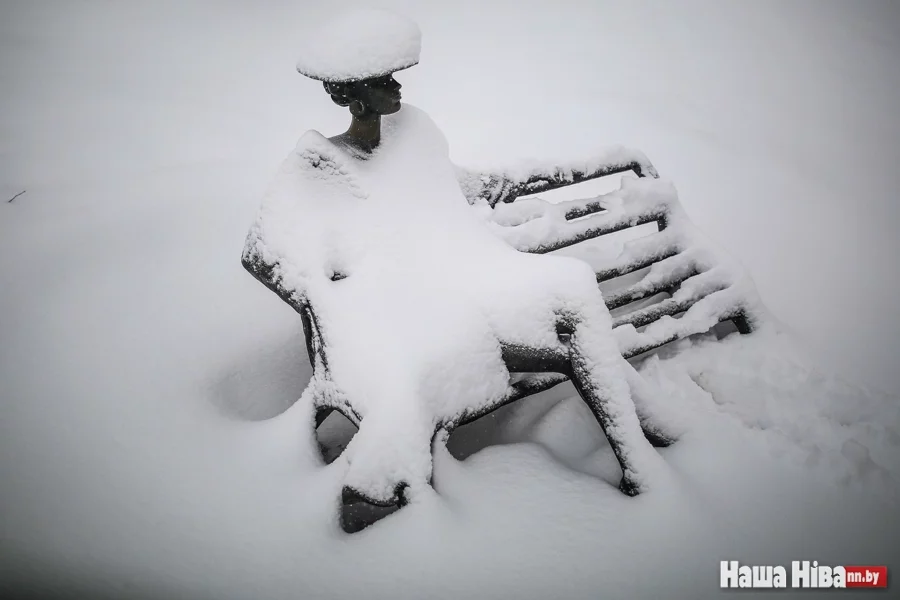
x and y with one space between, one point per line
805 415
360 44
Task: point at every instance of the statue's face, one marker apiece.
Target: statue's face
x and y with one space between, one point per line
381 94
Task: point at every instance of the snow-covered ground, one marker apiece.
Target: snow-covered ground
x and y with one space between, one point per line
139 362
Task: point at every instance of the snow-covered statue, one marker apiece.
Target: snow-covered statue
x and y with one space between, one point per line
418 316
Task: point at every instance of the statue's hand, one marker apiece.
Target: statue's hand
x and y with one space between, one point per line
497 188
488 187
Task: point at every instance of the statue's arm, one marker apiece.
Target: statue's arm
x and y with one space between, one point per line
508 184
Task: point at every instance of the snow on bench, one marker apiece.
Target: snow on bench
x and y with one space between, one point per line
703 283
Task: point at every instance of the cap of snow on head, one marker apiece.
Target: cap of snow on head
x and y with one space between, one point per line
360 44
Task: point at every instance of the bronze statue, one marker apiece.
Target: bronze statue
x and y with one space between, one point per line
578 344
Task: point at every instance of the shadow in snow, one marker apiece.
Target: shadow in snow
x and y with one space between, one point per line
263 382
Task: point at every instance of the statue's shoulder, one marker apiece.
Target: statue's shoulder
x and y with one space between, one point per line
318 157
313 148
315 167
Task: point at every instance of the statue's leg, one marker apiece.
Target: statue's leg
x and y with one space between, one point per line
598 377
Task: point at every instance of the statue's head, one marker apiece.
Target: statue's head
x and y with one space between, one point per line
355 54
374 96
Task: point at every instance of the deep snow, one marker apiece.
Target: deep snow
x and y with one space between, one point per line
138 358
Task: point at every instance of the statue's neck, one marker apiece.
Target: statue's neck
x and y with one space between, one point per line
364 132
